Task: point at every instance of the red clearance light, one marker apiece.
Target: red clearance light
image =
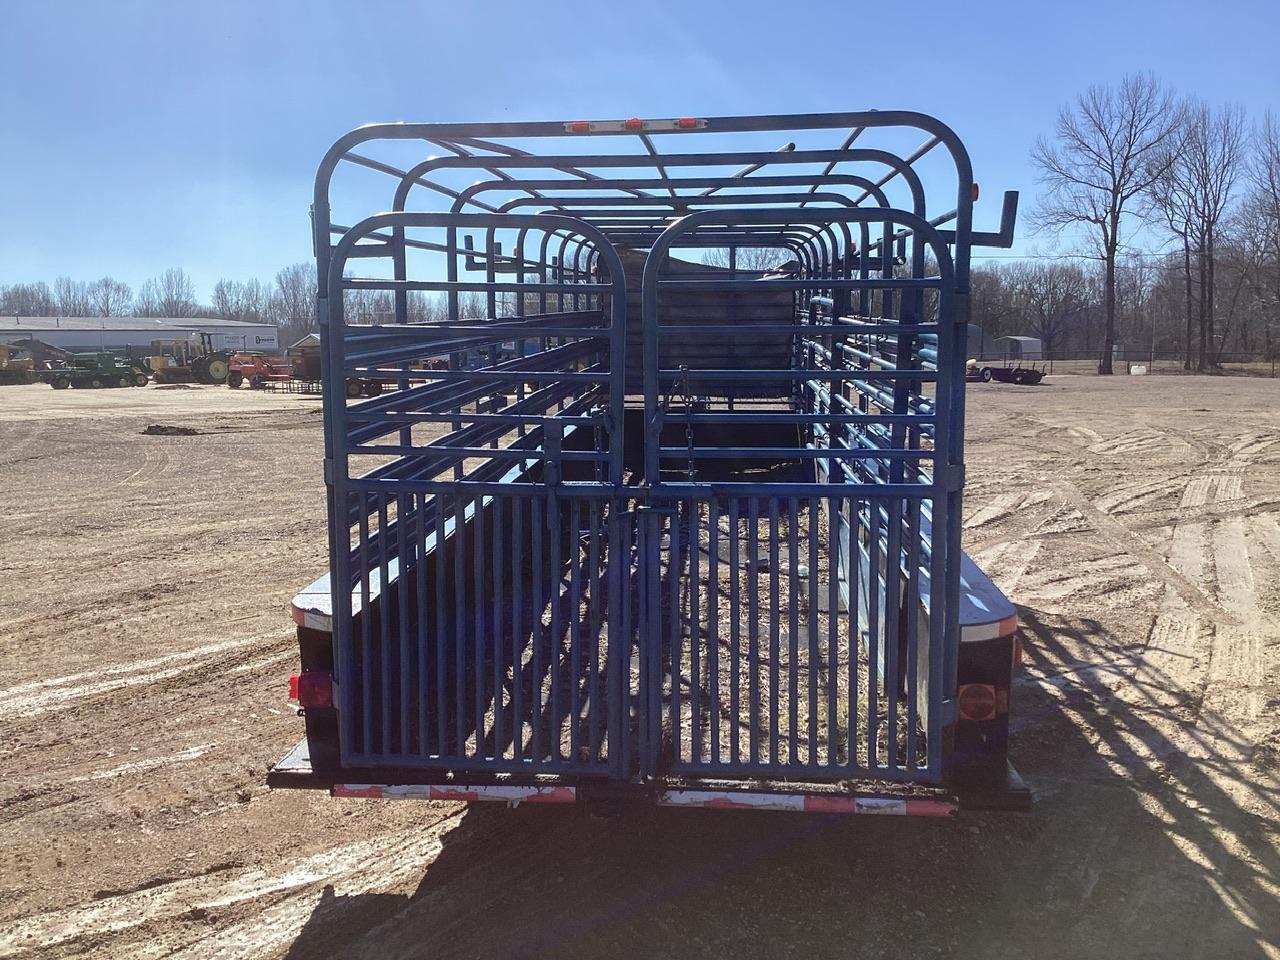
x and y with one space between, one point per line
635 123
312 689
580 126
687 123
977 701
975 193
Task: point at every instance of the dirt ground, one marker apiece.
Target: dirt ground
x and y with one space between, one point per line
145 644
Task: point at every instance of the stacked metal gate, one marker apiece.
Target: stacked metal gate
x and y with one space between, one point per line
740 566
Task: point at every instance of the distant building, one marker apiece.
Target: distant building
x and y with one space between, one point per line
982 345
1019 348
134 334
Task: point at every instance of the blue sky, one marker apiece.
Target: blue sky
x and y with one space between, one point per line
144 135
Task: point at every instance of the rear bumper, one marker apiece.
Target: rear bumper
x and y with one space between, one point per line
295 772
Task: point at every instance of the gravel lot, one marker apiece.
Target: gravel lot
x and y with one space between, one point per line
144 582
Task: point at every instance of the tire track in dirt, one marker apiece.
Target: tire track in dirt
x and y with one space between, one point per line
1130 497
1003 505
42 696
355 868
1007 562
1235 663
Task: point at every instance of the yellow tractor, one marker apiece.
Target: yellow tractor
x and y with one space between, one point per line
182 361
16 365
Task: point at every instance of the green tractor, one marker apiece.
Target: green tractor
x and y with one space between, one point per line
88 371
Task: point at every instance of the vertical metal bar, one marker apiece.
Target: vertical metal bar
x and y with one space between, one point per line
713 626
893 600
849 543
384 623
420 623
478 620
499 654
753 622
793 639
675 566
618 661
911 612
873 633
366 641
403 587
575 627
556 648
594 631
517 625
813 630
735 633
442 630
774 665
537 525
833 626
460 625
695 615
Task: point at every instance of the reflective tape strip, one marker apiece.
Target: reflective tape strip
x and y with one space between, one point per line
635 125
512 796
989 631
807 803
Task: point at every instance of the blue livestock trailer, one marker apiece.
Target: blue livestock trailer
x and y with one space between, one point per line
661 497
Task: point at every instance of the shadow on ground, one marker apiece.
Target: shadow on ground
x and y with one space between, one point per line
1114 861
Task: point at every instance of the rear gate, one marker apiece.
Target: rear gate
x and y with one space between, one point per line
781 635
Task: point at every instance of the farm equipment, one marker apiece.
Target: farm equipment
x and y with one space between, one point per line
93 371
182 361
15 368
649 528
257 369
1019 373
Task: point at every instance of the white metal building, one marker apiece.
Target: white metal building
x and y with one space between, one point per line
136 333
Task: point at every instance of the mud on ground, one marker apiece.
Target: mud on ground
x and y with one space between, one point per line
145 642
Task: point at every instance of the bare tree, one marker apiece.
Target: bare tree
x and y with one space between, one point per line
236 300
1049 296
177 293
1261 213
1173 197
293 301
1218 144
27 300
1105 154
71 297
110 298
752 259
1193 192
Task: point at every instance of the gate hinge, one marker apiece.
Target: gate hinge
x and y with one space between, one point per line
328 471
955 477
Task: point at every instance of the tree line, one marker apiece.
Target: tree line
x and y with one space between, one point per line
1177 202
1195 182
287 301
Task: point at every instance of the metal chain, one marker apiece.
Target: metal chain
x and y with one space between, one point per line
688 412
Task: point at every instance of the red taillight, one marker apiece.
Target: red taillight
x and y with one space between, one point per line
312 689
580 126
687 123
977 701
975 193
635 123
